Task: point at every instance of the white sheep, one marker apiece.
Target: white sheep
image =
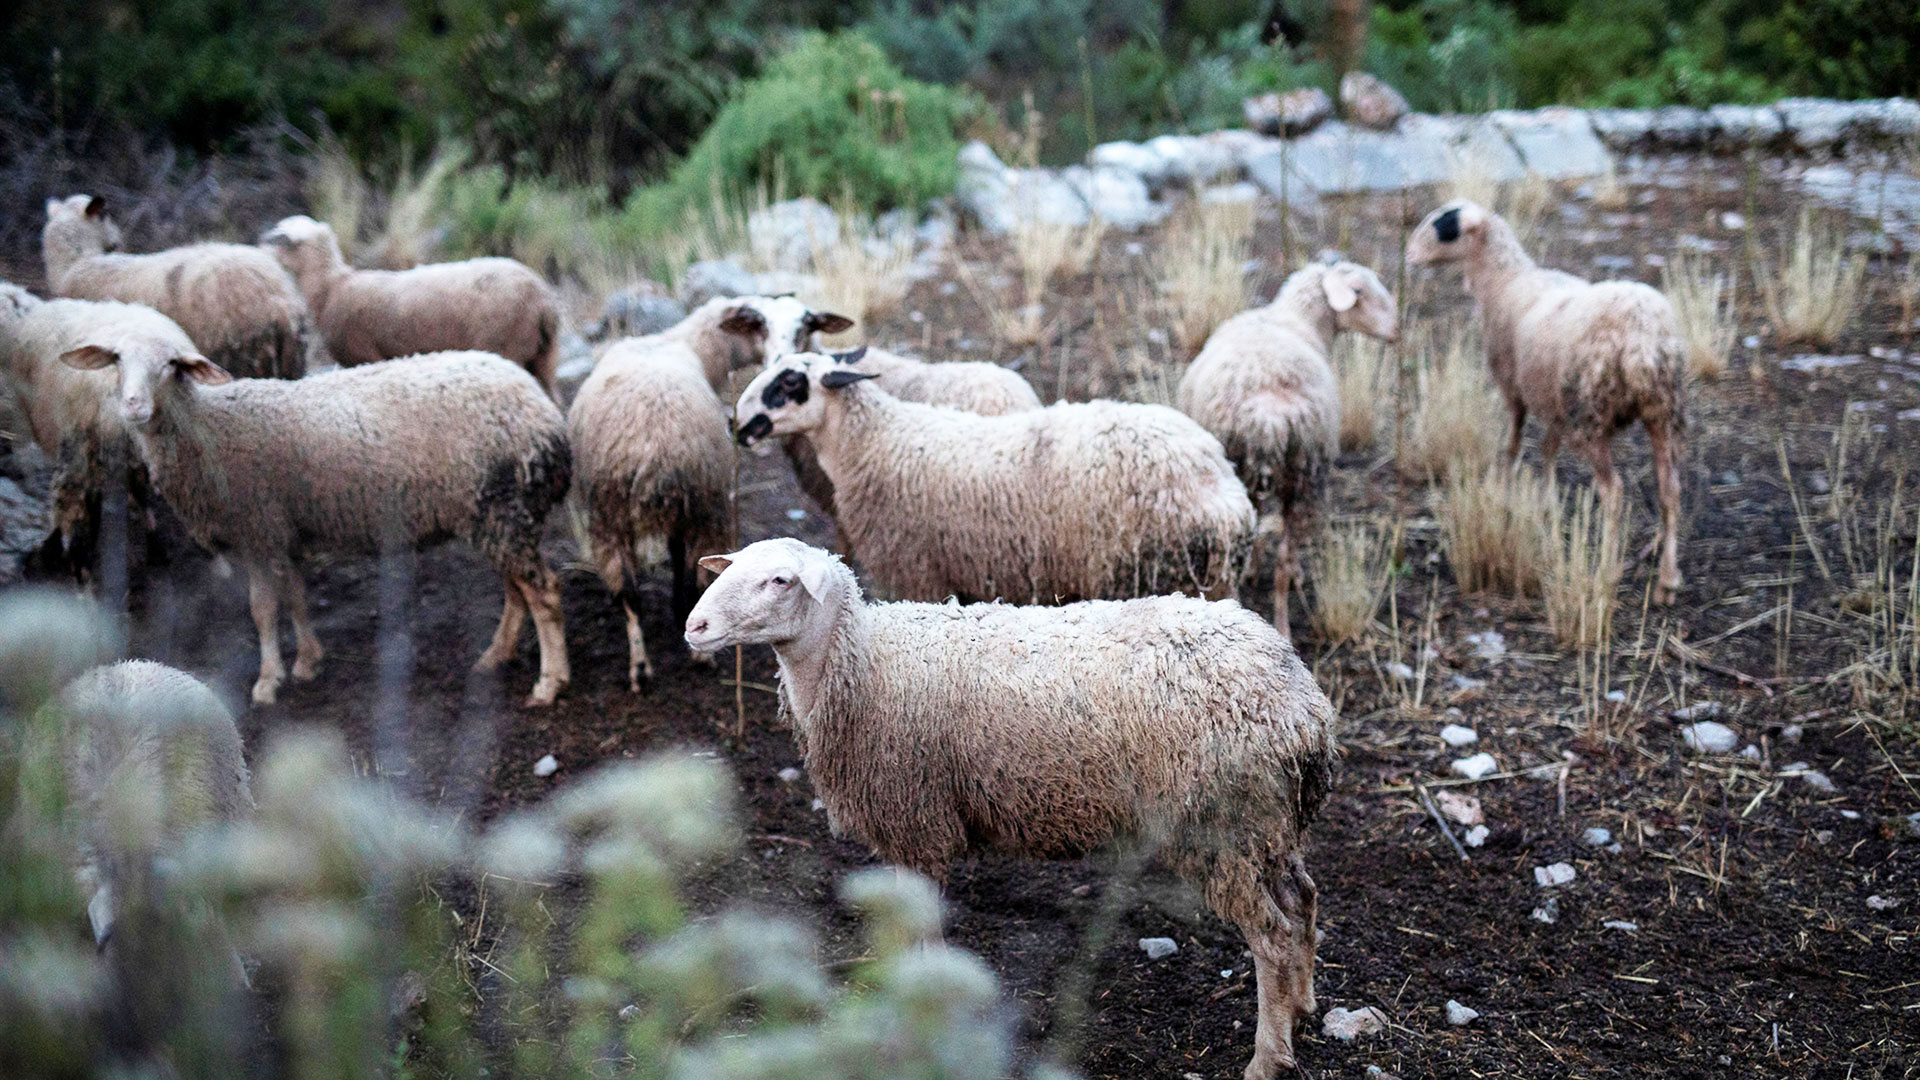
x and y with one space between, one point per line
360 460
1074 501
932 730
652 458
1264 386
491 305
70 413
233 300
1588 358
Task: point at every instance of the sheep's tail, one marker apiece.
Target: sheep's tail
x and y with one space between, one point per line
546 358
1290 466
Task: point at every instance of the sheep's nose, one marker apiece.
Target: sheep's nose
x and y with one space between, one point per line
696 625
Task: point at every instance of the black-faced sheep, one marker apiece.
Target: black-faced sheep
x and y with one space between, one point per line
932 730
237 304
1588 358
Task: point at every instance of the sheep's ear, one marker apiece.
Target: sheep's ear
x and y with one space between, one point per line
826 322
1340 292
90 357
837 380
202 370
96 208
852 356
743 320
55 208
816 573
274 237
716 563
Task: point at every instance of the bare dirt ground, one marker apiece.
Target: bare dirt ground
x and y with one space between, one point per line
1753 952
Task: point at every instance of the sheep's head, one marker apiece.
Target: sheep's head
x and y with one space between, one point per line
789 397
1360 300
1455 231
302 244
146 365
765 593
770 327
77 227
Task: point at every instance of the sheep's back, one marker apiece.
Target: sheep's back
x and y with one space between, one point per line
235 301
1272 399
650 442
977 387
496 305
1600 355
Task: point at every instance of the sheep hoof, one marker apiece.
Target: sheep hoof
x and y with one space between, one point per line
265 690
1665 595
545 692
1265 1066
488 661
304 669
640 681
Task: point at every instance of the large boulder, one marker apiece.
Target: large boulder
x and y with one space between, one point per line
1816 125
1557 143
635 311
1621 129
24 525
1680 127
1116 197
1737 126
1472 143
709 278
1892 120
1001 199
1370 103
787 234
1141 159
1295 112
1342 159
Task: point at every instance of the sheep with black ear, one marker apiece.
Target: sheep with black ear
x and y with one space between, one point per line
1589 358
1074 501
491 305
652 458
1264 386
362 460
235 302
933 730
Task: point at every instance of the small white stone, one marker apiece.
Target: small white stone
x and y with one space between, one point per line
1459 809
1554 874
1467 682
1226 973
1477 836
1731 219
1488 644
1459 735
1158 947
1548 912
1400 671
1596 837
1751 341
1818 781
1913 823
1792 734
1750 752
1477 766
1621 924
546 766
789 774
1347 1025
628 1012
1850 815
818 805
1617 696
1710 737
1459 1015
796 514
1882 903
1699 710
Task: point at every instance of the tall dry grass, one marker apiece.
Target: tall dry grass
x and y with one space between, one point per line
1495 528
1703 298
1523 202
1906 291
1812 292
860 273
1586 558
1361 363
1455 424
1347 569
1041 251
338 193
1201 264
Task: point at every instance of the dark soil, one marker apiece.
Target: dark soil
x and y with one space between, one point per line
1755 953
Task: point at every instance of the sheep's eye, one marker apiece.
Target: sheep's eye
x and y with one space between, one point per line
783 582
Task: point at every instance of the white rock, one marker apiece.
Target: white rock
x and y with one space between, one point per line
1459 1015
1400 671
1557 143
1488 644
1459 735
1699 710
1476 836
1621 924
1140 160
1733 220
1750 752
1710 737
1554 874
789 774
1818 781
1158 947
715 277
1792 734
1850 815
1465 683
1237 192
546 766
1596 837
1459 809
1477 766
787 234
1617 696
1548 912
1913 824
1348 1025
1882 903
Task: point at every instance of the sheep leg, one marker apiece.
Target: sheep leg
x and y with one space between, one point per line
1666 453
1519 409
264 599
639 667
1600 455
307 653
542 594
1286 567
513 617
1283 954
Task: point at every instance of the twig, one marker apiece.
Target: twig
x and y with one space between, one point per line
1689 656
1445 829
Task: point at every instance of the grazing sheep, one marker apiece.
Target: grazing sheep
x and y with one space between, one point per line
70 413
490 305
1070 502
401 453
653 458
1589 358
1264 386
932 730
234 301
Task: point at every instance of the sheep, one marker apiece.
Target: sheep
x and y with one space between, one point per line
786 325
402 452
491 305
1264 387
69 412
652 457
932 730
234 301
1074 501
1589 358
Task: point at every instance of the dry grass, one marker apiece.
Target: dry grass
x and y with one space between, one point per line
1494 529
1365 397
1703 298
861 275
1202 269
1041 250
1523 202
407 238
1609 191
1812 293
1906 291
1455 424
1585 559
338 193
1348 572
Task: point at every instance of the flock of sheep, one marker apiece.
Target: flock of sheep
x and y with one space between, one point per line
1035 683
